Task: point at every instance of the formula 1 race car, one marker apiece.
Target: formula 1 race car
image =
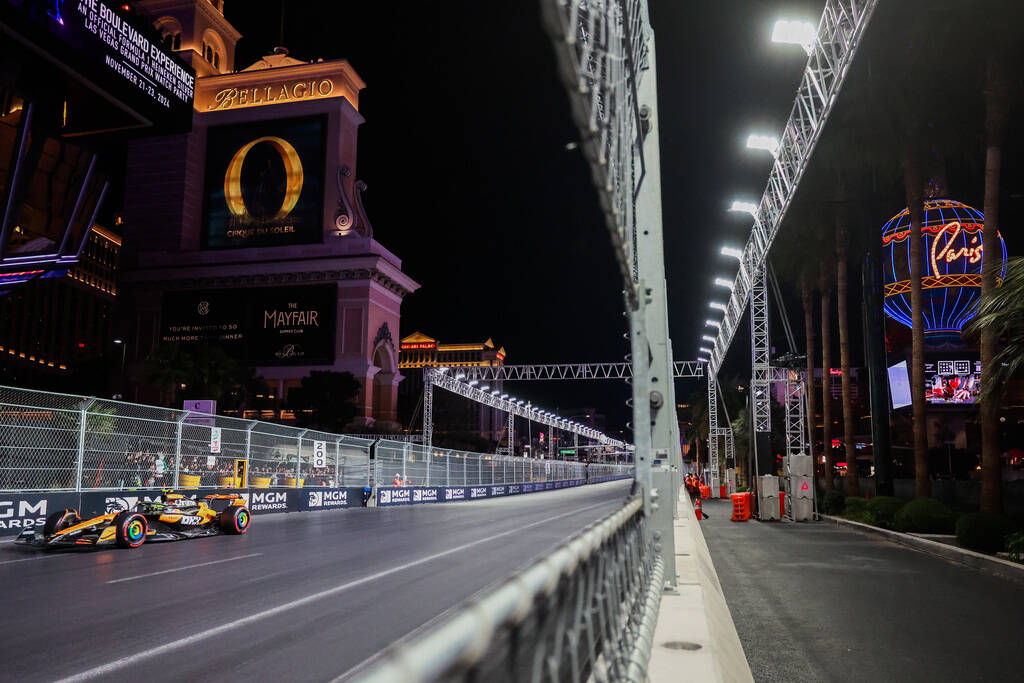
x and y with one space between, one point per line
172 517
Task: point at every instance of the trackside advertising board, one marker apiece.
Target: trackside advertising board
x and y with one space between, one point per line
20 511
390 496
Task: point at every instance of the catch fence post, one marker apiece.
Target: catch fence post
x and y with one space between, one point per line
429 458
298 457
337 463
177 447
465 468
80 463
244 484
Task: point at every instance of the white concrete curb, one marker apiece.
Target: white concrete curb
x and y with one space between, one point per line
695 638
997 566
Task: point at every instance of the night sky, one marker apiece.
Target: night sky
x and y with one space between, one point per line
471 184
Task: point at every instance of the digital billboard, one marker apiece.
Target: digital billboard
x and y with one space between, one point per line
263 326
899 385
102 46
264 184
950 379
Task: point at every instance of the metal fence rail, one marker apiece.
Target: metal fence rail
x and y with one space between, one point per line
584 612
63 442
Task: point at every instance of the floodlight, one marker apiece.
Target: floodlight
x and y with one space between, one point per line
704 349
712 323
795 32
708 337
461 375
768 143
485 388
732 251
717 306
745 207
722 282
474 382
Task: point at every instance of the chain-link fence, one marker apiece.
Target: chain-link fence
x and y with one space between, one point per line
410 464
586 611
61 442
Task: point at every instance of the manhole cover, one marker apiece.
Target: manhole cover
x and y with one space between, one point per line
680 645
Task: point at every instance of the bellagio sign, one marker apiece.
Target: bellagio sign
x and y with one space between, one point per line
276 93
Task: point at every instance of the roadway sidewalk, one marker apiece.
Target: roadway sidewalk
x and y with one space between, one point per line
813 602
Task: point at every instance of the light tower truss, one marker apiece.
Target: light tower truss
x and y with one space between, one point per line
443 379
839 34
759 353
569 371
713 429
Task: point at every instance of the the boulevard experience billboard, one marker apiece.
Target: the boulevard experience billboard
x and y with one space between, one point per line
113 53
264 184
259 326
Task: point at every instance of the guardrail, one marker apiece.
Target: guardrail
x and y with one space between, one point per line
586 611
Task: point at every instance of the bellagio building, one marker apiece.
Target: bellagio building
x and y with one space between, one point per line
419 351
249 232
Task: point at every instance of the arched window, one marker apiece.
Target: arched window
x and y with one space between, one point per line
216 60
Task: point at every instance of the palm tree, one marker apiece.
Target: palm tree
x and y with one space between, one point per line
996 112
914 188
826 387
812 405
842 245
1002 313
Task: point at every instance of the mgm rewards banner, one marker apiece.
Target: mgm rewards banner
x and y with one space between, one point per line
259 326
264 184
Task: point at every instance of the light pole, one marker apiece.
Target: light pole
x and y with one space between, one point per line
124 348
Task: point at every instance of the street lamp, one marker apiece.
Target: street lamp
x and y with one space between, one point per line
795 32
124 348
717 306
733 252
768 143
744 207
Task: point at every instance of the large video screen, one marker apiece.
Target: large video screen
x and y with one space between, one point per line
264 184
899 385
952 380
262 326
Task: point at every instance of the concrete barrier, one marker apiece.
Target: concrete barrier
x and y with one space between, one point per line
695 638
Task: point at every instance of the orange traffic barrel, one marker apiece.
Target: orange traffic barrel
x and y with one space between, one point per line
723 491
740 507
705 491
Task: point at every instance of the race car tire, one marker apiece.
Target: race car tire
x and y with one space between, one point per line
131 529
62 519
235 519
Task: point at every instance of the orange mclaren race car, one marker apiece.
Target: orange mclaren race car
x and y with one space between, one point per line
172 517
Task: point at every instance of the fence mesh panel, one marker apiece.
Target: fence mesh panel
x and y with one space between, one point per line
53 442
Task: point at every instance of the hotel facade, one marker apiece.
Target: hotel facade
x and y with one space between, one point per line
249 231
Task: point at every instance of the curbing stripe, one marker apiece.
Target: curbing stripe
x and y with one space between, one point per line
995 566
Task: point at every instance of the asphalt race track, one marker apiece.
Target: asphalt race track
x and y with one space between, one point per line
301 597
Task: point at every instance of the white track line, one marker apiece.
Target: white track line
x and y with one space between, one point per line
41 557
118 664
181 569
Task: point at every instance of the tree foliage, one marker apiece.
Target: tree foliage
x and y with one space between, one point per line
325 401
